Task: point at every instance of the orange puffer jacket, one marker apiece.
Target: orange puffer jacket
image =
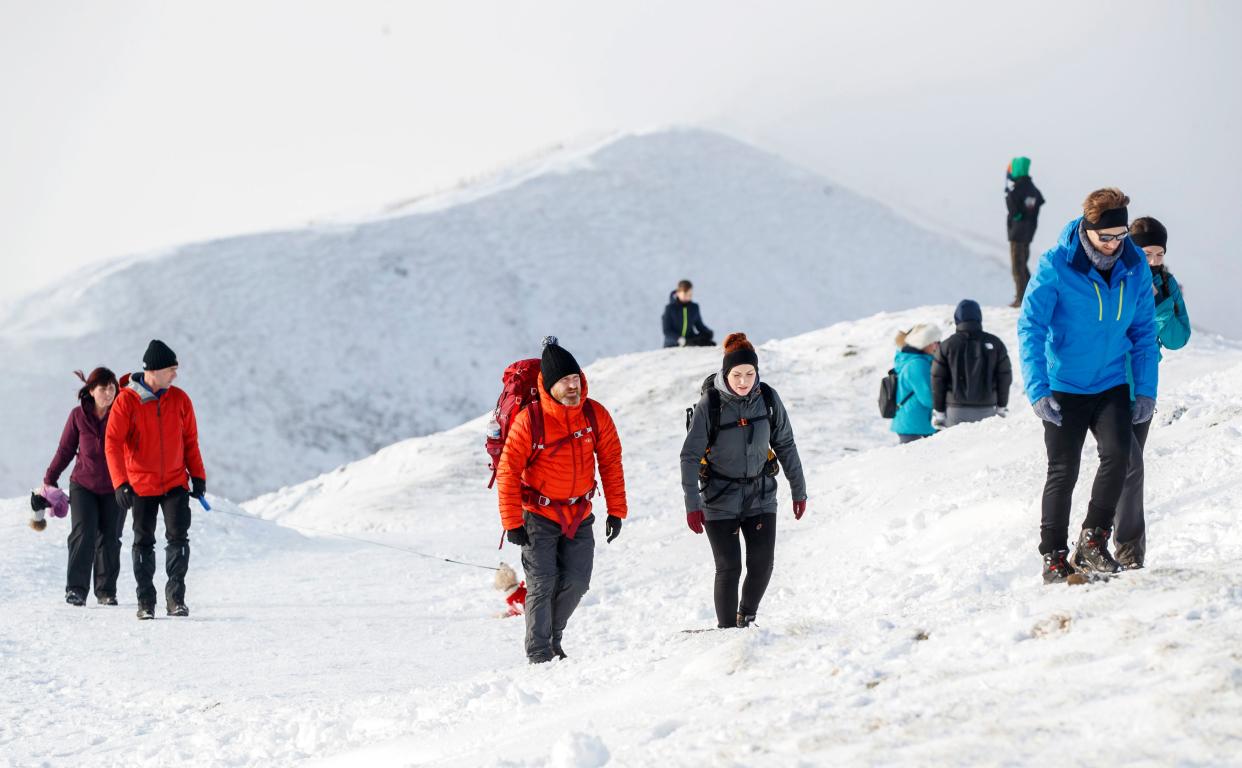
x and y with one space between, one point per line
152 442
564 470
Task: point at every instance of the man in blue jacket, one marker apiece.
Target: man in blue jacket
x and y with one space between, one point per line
1087 308
683 325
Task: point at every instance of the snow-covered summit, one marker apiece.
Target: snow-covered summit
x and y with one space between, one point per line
906 623
305 349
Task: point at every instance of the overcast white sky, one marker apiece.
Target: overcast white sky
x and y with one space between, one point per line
131 126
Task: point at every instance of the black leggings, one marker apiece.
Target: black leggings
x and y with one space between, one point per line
1106 415
760 534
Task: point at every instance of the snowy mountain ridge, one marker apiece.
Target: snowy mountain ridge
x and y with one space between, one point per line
906 623
305 349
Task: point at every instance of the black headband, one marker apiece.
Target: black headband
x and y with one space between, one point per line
1113 217
1144 239
740 356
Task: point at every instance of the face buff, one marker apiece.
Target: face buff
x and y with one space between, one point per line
1102 261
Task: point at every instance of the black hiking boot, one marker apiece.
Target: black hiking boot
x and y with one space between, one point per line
745 620
1130 555
1056 567
178 609
75 598
1091 553
105 599
558 651
146 611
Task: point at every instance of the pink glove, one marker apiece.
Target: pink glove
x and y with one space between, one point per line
799 509
695 520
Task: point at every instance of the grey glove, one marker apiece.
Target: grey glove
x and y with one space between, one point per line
1048 409
1002 411
938 419
1143 409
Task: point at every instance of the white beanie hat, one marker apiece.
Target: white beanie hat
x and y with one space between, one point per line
923 334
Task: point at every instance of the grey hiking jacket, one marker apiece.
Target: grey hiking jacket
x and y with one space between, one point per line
740 452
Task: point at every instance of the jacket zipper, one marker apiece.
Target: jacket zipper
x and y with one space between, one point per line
159 425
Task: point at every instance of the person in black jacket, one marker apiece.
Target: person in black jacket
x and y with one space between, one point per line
971 373
683 325
1023 201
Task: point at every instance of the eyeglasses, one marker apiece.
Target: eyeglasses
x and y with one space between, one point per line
1109 238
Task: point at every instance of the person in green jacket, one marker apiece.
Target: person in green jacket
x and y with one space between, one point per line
913 363
1172 332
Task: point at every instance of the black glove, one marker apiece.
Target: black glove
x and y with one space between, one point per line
518 536
37 502
125 496
612 528
198 487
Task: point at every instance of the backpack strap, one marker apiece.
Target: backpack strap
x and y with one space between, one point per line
537 432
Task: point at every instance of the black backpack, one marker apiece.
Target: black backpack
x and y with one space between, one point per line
772 468
888 395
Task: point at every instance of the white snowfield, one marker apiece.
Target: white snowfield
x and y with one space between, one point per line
306 349
906 623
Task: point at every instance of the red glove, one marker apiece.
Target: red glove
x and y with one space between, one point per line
695 520
799 509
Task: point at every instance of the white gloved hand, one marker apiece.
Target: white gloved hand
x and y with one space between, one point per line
681 341
938 420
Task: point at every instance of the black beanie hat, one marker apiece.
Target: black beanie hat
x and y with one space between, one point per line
1155 233
556 364
738 351
158 356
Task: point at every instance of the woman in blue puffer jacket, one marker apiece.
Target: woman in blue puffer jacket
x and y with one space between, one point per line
916 350
1086 311
1172 332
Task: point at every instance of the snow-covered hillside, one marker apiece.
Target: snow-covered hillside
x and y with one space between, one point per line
306 349
906 623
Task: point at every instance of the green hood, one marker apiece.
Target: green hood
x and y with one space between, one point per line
1019 167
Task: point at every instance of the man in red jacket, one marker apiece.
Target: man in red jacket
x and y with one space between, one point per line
152 448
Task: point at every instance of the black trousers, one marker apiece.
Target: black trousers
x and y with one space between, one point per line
94 541
1106 415
1129 525
759 531
700 340
1019 258
176 506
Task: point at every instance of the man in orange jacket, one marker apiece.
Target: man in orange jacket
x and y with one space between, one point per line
546 480
152 448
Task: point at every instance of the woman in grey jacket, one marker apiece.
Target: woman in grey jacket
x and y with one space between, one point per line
739 430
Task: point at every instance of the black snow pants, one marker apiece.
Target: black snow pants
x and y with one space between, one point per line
176 506
759 531
1129 525
558 574
94 542
1107 416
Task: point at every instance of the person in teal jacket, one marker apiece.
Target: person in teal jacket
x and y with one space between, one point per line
1172 332
913 363
1087 310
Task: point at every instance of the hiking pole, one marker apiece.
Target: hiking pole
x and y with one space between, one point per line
203 500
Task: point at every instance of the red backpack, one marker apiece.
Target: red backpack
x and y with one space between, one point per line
521 391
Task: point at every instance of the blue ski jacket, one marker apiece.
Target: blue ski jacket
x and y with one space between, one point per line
914 382
1076 331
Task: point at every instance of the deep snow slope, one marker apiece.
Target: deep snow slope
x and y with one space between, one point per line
307 349
906 623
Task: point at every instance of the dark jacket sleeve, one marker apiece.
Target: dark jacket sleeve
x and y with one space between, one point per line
670 326
698 322
1004 374
786 449
942 378
65 452
1012 204
692 451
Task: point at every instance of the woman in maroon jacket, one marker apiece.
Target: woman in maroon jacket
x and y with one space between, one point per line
97 519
